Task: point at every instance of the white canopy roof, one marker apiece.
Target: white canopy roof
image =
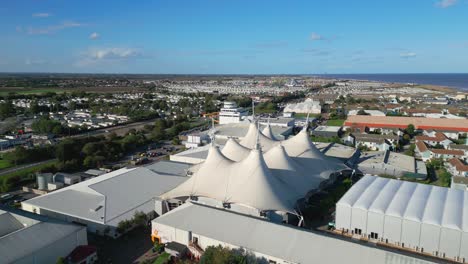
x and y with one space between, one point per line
235 151
289 171
248 182
306 154
250 139
242 174
268 132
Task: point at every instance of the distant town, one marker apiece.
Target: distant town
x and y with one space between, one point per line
181 168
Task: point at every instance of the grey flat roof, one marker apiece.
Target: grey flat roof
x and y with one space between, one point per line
393 160
277 240
328 128
109 198
170 167
39 233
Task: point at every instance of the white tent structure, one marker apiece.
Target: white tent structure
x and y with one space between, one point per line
242 175
248 182
420 217
235 151
289 171
268 132
250 139
306 154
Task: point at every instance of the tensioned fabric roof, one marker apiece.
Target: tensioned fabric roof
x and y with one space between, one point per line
250 139
235 151
268 132
417 202
305 153
272 180
248 182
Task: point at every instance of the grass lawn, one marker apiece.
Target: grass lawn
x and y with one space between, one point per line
30 91
301 115
4 164
162 259
335 122
23 175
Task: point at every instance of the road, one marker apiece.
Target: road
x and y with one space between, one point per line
23 166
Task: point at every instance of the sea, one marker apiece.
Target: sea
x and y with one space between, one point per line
454 80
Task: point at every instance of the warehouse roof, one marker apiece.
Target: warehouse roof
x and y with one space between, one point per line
403 122
170 167
111 197
257 235
31 233
413 201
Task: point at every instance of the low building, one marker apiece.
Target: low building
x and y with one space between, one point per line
457 167
460 183
375 141
418 217
83 255
209 226
29 238
327 131
101 203
368 112
435 139
447 154
392 164
422 151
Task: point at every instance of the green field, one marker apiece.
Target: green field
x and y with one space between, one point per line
300 115
4 164
26 91
335 122
14 179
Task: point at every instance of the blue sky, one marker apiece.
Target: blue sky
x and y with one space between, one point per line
234 36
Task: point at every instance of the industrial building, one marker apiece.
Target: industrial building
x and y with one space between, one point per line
197 227
102 202
33 239
419 217
421 123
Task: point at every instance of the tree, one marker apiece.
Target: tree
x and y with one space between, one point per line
175 141
410 130
362 112
6 109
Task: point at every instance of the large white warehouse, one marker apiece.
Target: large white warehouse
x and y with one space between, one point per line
429 219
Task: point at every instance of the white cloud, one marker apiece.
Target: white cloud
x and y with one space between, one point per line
446 3
53 28
34 62
94 36
113 53
42 15
407 55
102 55
315 36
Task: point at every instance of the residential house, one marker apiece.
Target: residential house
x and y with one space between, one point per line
457 167
438 139
375 141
